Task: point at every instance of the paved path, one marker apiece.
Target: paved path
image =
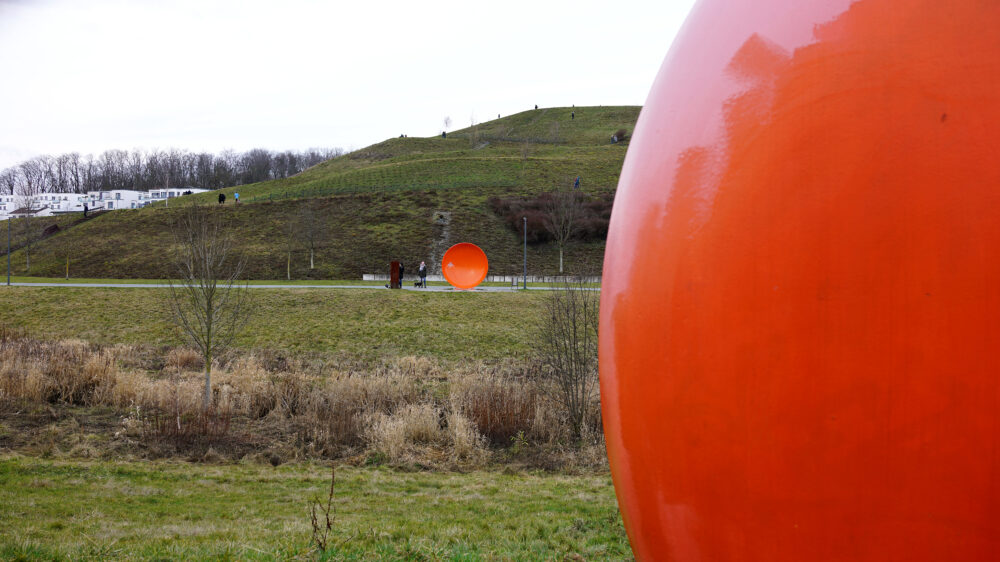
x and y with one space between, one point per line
432 288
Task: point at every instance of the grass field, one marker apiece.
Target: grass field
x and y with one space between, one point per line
364 323
59 509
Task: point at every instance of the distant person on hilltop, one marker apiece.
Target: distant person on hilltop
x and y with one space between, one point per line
536 106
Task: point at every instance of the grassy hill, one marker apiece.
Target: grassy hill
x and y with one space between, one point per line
403 198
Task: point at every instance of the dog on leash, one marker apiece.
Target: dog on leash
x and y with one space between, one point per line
418 284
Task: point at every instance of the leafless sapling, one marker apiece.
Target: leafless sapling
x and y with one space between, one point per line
31 225
209 302
562 214
567 347
311 229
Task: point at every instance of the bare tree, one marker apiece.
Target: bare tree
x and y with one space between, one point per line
9 181
209 303
567 339
447 123
291 232
311 230
31 226
32 177
473 133
562 218
74 170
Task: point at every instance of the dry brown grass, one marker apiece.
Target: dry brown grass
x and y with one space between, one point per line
467 444
500 406
396 435
185 358
409 410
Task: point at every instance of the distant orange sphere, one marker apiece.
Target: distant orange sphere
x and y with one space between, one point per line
465 265
800 318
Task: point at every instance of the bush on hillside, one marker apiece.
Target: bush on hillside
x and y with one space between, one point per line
591 226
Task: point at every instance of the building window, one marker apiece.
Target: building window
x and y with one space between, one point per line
111 205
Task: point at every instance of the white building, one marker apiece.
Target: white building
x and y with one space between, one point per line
113 200
48 204
59 203
164 194
17 206
7 204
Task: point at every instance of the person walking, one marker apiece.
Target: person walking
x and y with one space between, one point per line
576 184
85 209
401 269
422 271
222 199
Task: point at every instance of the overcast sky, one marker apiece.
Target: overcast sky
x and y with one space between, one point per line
86 76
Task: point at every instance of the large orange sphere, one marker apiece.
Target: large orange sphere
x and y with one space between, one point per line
465 265
800 319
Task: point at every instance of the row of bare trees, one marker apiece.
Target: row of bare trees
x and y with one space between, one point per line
145 170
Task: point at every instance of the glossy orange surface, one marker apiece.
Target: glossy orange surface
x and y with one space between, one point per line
465 265
800 318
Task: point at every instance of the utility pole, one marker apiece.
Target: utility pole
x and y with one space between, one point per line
525 219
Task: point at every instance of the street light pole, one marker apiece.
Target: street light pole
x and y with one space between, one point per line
525 251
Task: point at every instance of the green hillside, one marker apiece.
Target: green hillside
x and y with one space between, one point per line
403 198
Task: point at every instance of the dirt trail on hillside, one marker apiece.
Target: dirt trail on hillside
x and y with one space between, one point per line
442 238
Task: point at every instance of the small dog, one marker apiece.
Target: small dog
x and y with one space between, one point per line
418 284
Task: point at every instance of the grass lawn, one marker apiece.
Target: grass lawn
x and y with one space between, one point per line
55 509
365 324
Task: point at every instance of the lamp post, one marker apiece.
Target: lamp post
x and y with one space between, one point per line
8 251
525 219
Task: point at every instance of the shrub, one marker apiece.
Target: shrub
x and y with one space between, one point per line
567 349
395 435
498 406
592 223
